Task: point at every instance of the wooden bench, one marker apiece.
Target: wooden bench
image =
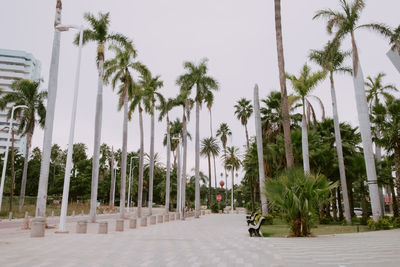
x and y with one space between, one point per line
254 230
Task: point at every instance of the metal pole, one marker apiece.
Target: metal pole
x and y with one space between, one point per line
3 174
67 175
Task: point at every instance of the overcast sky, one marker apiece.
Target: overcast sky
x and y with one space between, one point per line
237 36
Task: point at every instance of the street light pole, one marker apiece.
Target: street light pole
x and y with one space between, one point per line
3 174
67 175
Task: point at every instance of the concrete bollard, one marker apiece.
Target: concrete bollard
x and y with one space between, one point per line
132 223
103 227
81 227
153 219
73 213
203 212
26 221
177 216
10 216
82 213
119 226
52 213
166 218
143 221
160 218
38 227
220 211
172 217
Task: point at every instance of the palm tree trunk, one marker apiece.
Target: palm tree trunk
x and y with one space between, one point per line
209 181
215 172
365 130
167 182
226 178
304 141
178 180
394 205
282 80
25 171
339 150
151 171
233 183
48 128
260 152
97 137
140 186
378 156
124 157
197 162
339 199
247 137
183 183
12 171
112 186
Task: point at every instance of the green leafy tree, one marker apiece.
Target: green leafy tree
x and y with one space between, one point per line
243 111
209 147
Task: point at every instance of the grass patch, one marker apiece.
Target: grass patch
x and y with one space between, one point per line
281 229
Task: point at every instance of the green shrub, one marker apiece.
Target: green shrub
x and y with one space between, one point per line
325 220
396 222
268 220
381 224
214 207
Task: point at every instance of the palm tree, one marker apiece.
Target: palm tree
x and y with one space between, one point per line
112 185
165 107
209 146
99 33
223 132
282 80
344 22
41 200
303 86
197 76
118 70
331 60
186 102
150 84
25 92
243 111
232 162
209 99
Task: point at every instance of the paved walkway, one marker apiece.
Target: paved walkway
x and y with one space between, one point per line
212 240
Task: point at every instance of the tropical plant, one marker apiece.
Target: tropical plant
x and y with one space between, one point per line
223 132
393 34
27 93
209 146
197 76
232 162
303 86
243 111
331 59
298 195
165 106
282 81
344 23
99 33
118 70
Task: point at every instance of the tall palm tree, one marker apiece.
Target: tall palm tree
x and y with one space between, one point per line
223 132
184 100
331 59
209 146
393 34
165 106
303 86
243 111
118 70
196 76
99 33
25 92
232 162
282 80
150 86
209 99
344 23
41 201
112 185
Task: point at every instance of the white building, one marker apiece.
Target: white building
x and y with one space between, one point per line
15 65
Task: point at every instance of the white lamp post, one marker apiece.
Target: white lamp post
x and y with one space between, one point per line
3 174
64 204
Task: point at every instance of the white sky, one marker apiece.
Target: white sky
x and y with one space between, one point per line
237 36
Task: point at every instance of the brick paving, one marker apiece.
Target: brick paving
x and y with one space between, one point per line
212 240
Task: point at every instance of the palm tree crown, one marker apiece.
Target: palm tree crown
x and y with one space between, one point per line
223 132
376 89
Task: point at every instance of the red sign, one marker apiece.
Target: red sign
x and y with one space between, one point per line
219 198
